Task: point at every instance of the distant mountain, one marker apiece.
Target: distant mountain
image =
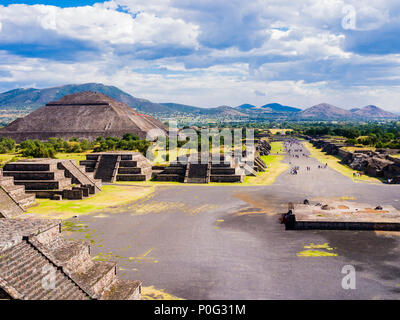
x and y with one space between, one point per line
280 108
34 98
183 108
227 110
325 111
268 108
245 106
373 112
28 99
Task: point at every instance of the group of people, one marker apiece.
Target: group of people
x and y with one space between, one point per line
357 174
294 149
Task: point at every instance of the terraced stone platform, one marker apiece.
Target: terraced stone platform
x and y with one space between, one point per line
48 178
191 170
118 166
36 263
341 215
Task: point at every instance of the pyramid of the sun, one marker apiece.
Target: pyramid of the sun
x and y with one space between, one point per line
83 115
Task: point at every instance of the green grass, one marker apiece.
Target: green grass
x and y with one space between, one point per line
277 147
108 198
7 157
73 156
334 163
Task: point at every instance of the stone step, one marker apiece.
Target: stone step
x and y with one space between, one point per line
137 163
220 165
129 170
29 166
106 168
97 278
123 290
15 190
45 185
226 178
133 177
223 171
26 200
35 175
170 177
7 257
7 182
175 170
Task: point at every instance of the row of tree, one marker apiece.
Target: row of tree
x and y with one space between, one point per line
49 149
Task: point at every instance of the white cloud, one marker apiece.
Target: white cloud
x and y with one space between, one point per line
94 24
210 52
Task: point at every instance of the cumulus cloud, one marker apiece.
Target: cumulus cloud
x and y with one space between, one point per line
213 52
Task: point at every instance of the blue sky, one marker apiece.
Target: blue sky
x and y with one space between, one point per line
59 3
209 52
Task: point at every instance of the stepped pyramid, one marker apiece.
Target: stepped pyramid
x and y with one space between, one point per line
191 170
83 115
36 263
13 199
118 166
47 178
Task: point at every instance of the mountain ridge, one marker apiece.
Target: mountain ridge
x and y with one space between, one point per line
28 99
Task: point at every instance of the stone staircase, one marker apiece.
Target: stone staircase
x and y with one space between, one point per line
33 252
106 168
26 269
79 175
198 173
118 166
13 199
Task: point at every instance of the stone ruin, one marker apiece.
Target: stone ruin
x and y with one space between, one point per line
13 199
118 166
374 163
218 168
53 178
33 252
263 147
191 170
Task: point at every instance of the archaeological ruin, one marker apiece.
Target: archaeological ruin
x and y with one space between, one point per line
53 178
84 115
13 198
118 166
36 263
379 163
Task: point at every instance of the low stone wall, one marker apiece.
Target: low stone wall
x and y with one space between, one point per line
335 225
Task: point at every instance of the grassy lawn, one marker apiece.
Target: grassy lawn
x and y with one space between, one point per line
277 147
106 200
281 131
334 163
7 157
275 168
75 156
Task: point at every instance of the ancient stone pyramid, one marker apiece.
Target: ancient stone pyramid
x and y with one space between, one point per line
83 115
